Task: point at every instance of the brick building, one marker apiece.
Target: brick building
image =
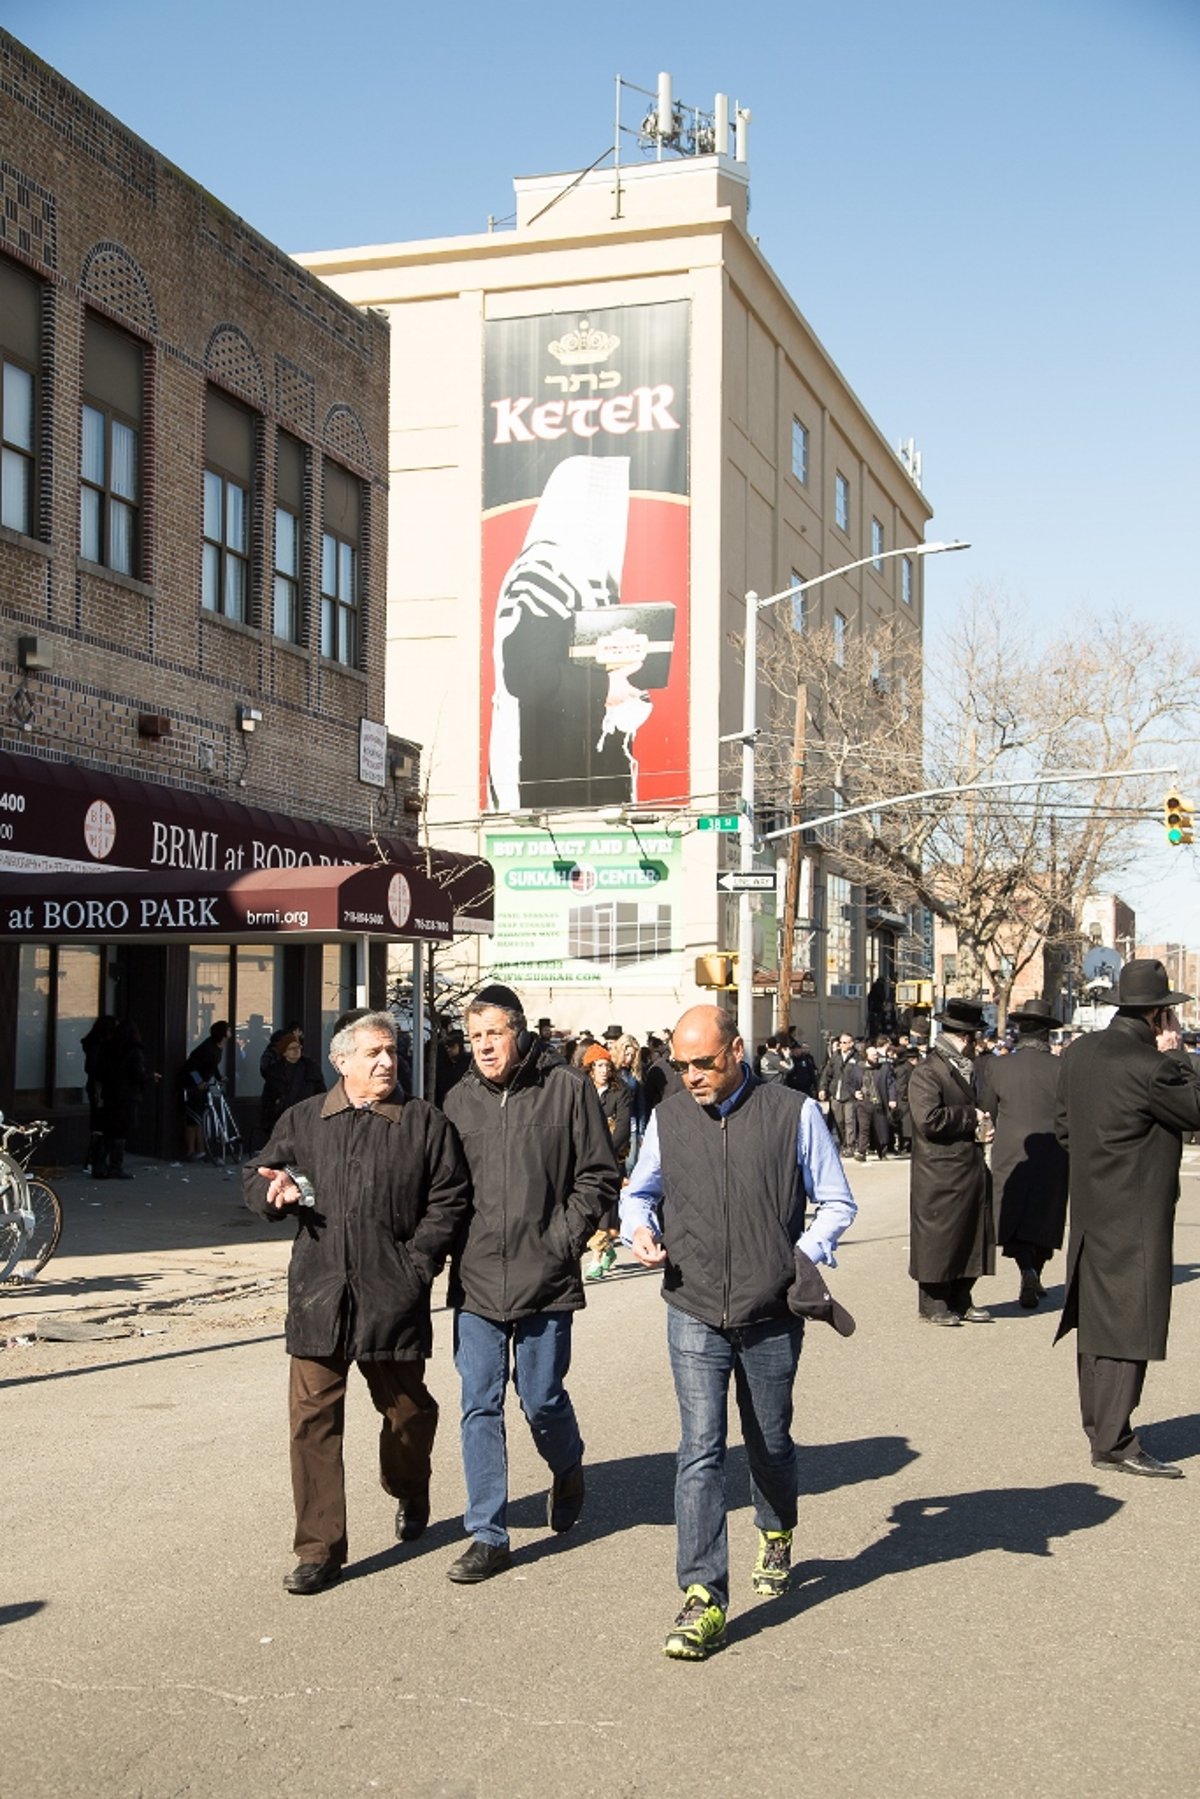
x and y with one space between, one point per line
193 543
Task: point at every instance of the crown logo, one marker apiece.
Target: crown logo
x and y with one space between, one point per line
583 345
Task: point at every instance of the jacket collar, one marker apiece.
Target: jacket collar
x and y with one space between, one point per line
337 1101
738 1097
1133 1027
527 1073
954 1059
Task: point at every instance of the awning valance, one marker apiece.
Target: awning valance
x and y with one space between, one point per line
144 905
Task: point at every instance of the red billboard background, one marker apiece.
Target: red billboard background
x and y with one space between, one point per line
530 432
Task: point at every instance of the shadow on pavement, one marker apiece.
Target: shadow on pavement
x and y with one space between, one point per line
24 1608
641 1489
1172 1439
926 1532
1185 1272
138 1361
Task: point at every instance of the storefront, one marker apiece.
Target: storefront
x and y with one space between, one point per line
176 909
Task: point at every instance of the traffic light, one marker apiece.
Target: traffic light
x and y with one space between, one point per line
1177 818
716 971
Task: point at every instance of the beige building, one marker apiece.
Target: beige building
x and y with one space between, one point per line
628 319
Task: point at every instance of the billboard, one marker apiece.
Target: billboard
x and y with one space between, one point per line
592 909
584 678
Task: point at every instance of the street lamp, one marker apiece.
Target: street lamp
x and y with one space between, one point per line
748 736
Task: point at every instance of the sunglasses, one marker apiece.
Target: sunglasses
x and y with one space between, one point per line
704 1063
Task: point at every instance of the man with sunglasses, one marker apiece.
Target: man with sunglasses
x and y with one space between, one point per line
717 1200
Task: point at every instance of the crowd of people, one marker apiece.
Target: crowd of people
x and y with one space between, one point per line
723 1167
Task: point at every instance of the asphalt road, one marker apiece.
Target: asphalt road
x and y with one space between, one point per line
976 1606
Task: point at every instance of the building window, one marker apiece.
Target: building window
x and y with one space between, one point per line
839 952
228 487
876 543
341 517
20 318
110 454
257 1009
800 451
799 603
841 502
289 510
906 580
839 639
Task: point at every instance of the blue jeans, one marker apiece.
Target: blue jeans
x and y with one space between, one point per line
541 1356
762 1359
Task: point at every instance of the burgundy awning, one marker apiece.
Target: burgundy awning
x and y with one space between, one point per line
70 813
380 901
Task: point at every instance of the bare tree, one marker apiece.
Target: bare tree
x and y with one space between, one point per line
852 720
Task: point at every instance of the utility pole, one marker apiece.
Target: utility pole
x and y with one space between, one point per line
787 941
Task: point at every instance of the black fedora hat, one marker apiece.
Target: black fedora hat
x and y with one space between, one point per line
1035 1011
809 1297
961 1015
1143 982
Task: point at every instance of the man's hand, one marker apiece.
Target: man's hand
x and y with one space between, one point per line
985 1128
282 1190
646 1247
1170 1034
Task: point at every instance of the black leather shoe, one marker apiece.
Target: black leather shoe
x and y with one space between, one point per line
1141 1463
479 1561
313 1577
564 1502
412 1518
977 1315
1031 1290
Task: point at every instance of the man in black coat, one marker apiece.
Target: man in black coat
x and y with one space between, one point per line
840 1081
1126 1095
378 1188
544 1174
952 1237
1029 1165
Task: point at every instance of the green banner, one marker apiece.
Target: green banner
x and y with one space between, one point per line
586 908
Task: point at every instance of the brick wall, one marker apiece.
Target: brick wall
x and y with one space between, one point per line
106 224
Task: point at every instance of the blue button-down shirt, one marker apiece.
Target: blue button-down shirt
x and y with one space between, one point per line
817 1158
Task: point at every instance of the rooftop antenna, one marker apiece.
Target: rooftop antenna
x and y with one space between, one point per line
668 125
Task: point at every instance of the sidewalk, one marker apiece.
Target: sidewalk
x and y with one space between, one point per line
171 1234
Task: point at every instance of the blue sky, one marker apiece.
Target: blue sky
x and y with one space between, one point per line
986 212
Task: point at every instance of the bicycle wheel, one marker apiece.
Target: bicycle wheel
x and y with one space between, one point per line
41 1240
222 1144
12 1222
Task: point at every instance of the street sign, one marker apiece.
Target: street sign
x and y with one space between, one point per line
717 821
751 880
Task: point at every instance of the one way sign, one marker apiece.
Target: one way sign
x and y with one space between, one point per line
751 880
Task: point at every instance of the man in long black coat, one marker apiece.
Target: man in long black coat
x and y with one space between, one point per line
952 1238
378 1188
1126 1096
1029 1164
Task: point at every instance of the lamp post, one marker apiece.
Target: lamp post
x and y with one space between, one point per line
749 734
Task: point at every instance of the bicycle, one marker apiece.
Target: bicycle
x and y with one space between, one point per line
222 1138
30 1209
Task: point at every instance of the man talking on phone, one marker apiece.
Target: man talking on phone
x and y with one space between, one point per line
1125 1097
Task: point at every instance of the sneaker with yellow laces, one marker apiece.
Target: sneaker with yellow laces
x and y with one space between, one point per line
773 1569
699 1630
